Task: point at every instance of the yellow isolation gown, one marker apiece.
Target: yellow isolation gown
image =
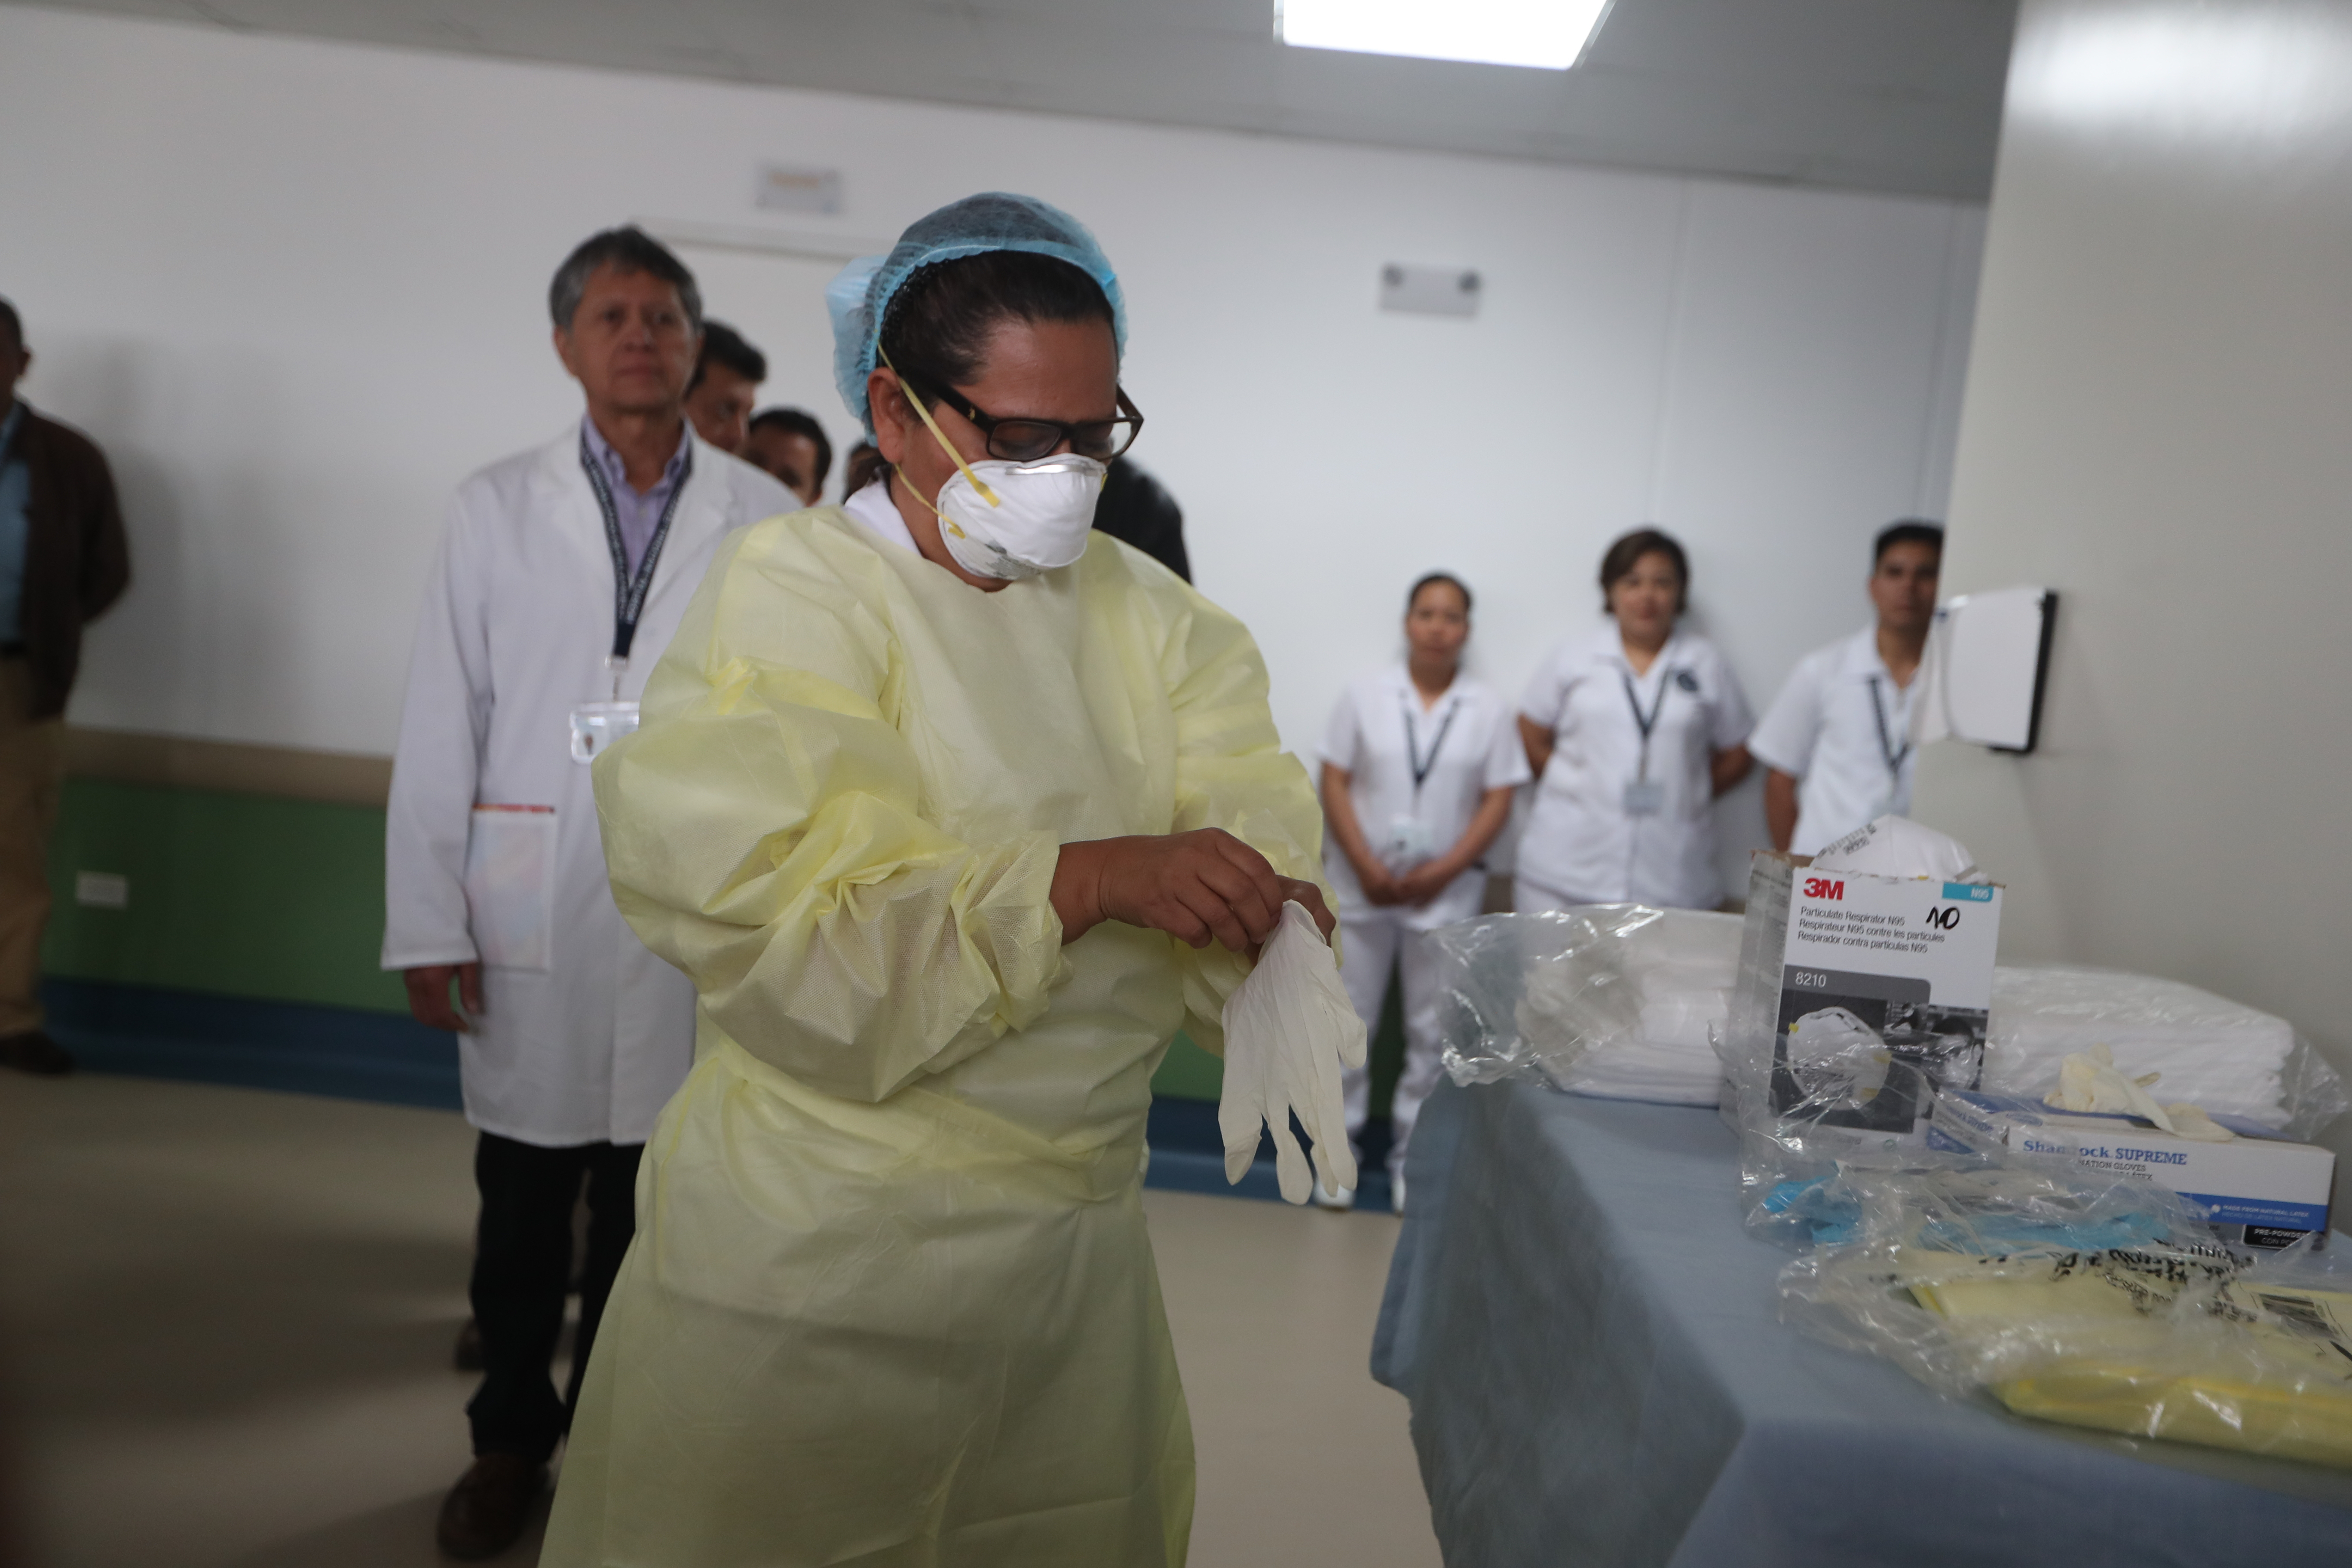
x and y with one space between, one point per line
891 1301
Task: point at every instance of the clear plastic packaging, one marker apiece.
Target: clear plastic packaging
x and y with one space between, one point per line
2107 1307
1835 1094
1831 1095
2221 1055
1621 1001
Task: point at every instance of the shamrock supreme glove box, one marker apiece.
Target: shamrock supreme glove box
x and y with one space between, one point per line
2256 1188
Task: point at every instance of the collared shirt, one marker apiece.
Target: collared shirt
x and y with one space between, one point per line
1842 727
15 525
1462 746
1579 842
874 507
639 514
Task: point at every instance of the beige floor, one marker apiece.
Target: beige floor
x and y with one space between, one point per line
228 1313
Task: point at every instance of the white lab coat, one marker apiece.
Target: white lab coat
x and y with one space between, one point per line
1580 844
1843 727
515 627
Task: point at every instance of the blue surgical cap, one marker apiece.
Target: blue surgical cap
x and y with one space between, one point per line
860 296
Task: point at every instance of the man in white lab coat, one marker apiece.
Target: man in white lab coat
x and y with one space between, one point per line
562 575
1837 740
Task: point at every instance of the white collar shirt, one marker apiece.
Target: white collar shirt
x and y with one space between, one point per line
873 509
1841 727
1579 841
1461 746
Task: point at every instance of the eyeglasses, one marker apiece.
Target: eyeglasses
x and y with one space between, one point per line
1024 440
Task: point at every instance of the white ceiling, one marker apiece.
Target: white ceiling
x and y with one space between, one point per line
1887 95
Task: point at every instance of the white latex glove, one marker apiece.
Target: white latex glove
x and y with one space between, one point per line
2191 1121
2090 1080
1898 846
1289 1028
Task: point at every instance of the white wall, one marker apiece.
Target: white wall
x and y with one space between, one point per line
296 289
2159 426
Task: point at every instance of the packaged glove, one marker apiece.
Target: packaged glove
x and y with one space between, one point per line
1289 1030
2090 1082
1898 846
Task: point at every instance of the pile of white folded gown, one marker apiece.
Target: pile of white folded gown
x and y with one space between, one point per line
2225 1057
1628 1018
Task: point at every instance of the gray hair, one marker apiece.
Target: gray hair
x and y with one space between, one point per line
628 249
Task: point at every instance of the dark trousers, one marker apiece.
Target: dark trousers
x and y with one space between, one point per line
522 1271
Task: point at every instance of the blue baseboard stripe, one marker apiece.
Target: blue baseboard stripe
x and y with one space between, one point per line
346 1053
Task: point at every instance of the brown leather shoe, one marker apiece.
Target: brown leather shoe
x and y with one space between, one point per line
36 1053
486 1510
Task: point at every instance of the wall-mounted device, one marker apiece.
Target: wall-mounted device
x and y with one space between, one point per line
1986 663
1429 290
796 188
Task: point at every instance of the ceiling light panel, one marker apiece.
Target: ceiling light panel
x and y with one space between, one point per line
1549 34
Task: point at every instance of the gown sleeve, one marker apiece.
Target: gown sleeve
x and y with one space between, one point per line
764 832
1231 773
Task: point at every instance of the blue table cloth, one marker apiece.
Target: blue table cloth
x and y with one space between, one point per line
1591 1345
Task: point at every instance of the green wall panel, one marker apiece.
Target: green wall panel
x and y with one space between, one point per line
236 894
245 895
1188 1072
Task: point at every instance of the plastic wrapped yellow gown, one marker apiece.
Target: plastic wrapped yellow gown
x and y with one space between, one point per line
891 1301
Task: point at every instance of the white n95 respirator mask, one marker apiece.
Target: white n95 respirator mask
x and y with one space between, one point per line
1010 521
1015 520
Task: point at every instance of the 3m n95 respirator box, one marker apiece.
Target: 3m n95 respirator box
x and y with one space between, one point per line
1876 990
2256 1188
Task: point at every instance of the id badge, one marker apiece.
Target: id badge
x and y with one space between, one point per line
1644 798
596 725
1407 844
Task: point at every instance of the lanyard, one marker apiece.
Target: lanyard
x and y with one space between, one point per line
1647 721
1894 759
628 593
1421 765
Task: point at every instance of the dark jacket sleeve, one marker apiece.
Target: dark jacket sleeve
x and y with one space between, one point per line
77 556
1134 509
105 548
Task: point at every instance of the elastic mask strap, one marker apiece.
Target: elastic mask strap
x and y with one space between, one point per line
945 445
945 520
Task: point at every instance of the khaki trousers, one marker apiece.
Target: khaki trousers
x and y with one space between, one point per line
32 762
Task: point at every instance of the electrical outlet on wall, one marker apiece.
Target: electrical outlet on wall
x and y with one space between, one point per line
102 890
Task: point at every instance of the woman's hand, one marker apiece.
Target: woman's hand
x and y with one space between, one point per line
1297 890
1425 881
1380 887
1200 887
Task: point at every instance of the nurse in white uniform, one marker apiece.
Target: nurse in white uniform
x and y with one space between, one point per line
1632 731
1836 742
1418 770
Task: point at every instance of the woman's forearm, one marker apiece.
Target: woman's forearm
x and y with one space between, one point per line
1728 766
1538 742
1494 810
1781 808
1341 821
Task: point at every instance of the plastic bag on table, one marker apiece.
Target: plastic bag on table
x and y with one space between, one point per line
1642 986
2110 1306
2209 1051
